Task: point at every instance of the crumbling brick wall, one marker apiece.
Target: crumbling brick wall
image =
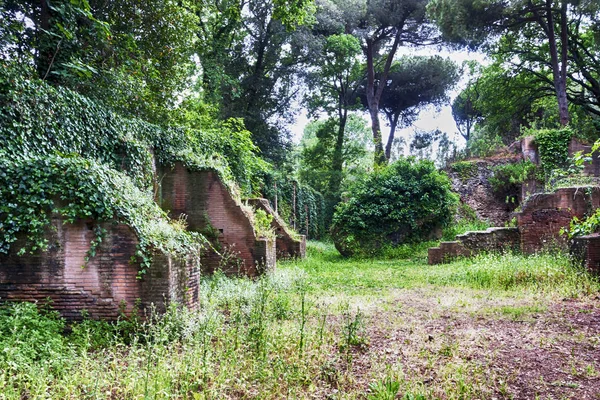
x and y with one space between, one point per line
287 246
472 243
586 251
211 209
544 215
106 285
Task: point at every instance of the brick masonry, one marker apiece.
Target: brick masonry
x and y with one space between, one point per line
286 245
107 285
539 226
210 208
585 250
472 243
543 216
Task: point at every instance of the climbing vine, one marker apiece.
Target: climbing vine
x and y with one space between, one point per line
553 148
36 189
38 119
297 204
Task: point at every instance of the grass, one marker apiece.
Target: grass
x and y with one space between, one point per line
324 327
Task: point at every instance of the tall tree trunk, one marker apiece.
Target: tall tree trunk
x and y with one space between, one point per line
393 124
338 155
559 68
374 95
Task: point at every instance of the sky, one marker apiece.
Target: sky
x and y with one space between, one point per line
430 118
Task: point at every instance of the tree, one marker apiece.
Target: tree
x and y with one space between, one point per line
464 111
381 26
551 26
250 52
133 56
413 83
318 152
335 81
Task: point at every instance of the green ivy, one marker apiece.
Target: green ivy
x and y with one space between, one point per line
553 148
35 189
308 204
37 119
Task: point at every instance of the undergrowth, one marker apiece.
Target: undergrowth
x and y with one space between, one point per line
295 333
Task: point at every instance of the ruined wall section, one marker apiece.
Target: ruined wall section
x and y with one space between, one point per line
105 286
543 216
470 179
288 244
210 208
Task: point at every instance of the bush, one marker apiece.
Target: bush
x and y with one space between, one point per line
508 178
31 339
404 202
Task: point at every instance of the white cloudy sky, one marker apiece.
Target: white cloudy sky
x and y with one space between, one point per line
430 118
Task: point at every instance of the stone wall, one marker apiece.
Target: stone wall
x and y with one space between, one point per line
543 216
472 243
470 179
288 244
210 208
104 286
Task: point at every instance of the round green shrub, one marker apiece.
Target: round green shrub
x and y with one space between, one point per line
406 201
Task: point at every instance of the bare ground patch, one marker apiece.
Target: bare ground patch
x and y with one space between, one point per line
453 343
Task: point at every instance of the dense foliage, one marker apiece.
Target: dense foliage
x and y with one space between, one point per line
407 201
37 119
34 190
508 178
553 148
300 206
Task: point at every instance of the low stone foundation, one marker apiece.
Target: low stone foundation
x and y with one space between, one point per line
288 244
476 242
104 287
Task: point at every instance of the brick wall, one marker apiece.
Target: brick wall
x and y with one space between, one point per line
544 215
106 284
287 246
472 243
586 251
210 208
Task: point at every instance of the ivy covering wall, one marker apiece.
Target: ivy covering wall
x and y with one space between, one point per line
38 119
62 154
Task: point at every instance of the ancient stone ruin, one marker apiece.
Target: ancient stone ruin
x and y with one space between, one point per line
109 284
539 223
288 243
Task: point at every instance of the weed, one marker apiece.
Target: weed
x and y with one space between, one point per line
386 389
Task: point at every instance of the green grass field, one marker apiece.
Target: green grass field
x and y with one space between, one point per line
329 328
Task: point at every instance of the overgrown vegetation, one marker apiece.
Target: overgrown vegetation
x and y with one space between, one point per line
508 178
300 206
305 330
553 148
405 202
78 125
35 190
